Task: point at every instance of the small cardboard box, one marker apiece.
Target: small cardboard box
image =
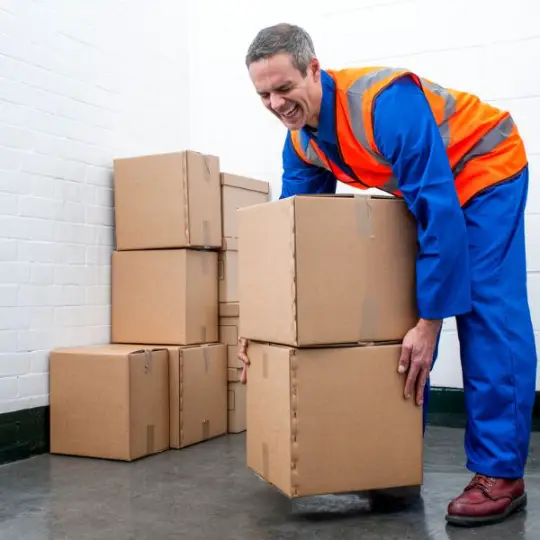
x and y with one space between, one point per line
198 390
331 420
239 192
167 201
165 296
237 407
324 270
109 401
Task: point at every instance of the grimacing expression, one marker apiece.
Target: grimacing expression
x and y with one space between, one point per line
285 91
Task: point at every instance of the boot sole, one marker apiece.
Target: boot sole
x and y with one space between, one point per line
515 506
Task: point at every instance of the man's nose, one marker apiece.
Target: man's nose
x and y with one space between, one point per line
276 101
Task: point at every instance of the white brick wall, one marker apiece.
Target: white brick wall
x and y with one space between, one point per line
486 49
83 82
80 83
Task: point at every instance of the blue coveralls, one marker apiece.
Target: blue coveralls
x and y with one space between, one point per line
471 265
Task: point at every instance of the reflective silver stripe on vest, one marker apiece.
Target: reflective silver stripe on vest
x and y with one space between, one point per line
355 96
495 136
313 157
449 109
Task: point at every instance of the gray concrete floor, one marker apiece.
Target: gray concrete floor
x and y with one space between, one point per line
206 492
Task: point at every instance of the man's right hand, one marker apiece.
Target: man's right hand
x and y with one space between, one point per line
244 358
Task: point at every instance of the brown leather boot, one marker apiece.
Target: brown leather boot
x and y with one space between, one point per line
487 500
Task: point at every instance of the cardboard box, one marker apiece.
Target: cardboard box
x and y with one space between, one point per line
331 420
228 334
109 401
228 271
167 201
165 296
198 390
229 309
239 192
237 407
322 270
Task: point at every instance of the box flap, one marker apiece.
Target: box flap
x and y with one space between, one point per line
266 270
270 423
243 182
202 387
109 349
204 195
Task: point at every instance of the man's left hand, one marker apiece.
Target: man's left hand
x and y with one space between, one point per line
416 358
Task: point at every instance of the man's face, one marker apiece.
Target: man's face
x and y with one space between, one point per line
285 92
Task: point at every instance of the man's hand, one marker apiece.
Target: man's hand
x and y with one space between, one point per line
417 356
244 358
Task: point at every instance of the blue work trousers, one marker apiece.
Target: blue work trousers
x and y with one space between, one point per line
497 347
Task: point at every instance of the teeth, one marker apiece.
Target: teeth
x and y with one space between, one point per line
290 111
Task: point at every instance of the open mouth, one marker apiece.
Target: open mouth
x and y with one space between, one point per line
290 113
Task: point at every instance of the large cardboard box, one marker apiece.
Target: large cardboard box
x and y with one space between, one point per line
165 296
239 192
228 271
109 401
167 201
228 332
331 420
237 407
322 270
198 390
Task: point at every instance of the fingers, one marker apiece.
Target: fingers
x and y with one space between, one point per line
405 358
421 385
410 383
242 354
244 358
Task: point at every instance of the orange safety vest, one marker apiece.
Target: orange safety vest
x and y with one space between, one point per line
482 142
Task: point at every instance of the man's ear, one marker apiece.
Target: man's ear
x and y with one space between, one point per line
315 69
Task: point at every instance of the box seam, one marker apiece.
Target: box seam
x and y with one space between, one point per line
295 485
185 172
295 275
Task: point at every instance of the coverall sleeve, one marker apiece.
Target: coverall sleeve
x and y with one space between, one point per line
301 178
406 134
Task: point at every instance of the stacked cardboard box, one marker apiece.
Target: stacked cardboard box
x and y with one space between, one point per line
327 289
162 382
236 192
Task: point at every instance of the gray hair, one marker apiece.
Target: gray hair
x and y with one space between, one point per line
282 38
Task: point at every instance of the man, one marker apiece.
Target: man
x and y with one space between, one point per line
461 167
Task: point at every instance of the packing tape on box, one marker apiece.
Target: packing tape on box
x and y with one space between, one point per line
364 221
147 361
203 334
265 365
150 438
370 316
265 460
206 354
221 267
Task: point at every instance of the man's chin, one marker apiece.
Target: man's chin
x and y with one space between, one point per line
299 124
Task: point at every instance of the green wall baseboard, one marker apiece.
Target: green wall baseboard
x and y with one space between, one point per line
25 433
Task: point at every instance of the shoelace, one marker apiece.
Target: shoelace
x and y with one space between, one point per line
482 482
